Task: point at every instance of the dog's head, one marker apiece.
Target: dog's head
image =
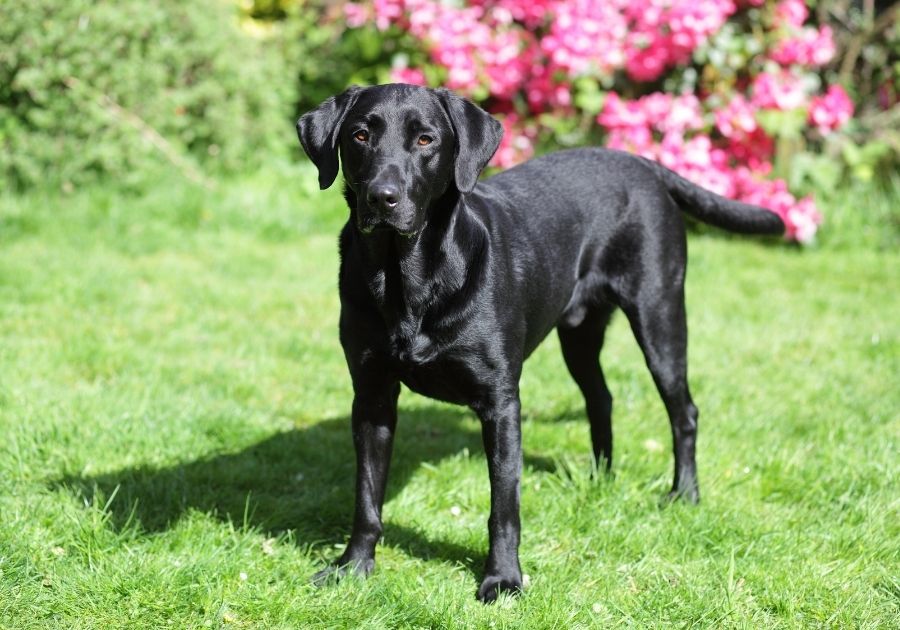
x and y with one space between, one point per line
401 147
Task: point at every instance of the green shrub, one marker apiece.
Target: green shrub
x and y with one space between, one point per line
108 88
323 55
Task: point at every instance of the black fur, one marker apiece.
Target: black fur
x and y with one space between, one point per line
448 286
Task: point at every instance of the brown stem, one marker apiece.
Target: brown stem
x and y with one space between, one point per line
855 47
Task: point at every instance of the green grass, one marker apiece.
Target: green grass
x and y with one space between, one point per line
175 446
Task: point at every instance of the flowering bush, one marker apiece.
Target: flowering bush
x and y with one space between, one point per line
706 87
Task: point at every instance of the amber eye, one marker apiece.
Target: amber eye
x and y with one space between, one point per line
424 141
362 135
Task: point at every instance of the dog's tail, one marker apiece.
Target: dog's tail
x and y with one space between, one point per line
716 210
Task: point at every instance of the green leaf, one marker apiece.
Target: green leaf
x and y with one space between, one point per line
782 124
588 96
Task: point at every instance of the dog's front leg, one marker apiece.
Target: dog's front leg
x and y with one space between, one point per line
374 418
501 432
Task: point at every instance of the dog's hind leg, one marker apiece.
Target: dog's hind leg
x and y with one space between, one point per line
581 347
659 323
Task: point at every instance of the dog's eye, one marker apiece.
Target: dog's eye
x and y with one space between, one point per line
362 135
424 140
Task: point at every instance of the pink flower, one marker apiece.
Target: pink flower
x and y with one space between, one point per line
664 33
617 113
791 13
411 76
755 149
543 92
637 140
812 47
647 62
682 114
663 112
517 144
531 13
736 119
356 14
479 45
386 12
586 36
697 160
801 218
822 47
734 167
518 56
831 111
782 91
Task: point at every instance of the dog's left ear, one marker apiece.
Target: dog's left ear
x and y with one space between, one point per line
478 136
319 131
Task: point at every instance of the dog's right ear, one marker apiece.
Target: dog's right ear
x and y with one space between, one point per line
319 131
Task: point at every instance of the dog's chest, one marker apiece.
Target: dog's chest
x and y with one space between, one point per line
444 371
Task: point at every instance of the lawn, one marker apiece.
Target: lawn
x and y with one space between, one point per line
176 448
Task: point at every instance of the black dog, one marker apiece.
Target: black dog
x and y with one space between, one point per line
448 285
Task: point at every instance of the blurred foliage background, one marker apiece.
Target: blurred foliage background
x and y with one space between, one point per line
101 90
110 90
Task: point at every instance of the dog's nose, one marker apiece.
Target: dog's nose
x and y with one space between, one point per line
383 196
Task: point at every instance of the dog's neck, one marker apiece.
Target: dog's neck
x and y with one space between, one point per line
408 275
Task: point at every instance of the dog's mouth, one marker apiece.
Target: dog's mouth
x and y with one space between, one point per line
373 225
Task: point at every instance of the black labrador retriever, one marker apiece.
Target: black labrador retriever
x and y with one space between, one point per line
448 284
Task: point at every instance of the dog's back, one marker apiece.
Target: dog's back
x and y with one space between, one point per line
578 227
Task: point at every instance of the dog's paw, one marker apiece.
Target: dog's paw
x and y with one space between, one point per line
690 495
493 585
335 572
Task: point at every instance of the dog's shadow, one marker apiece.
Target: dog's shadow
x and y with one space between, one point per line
300 481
